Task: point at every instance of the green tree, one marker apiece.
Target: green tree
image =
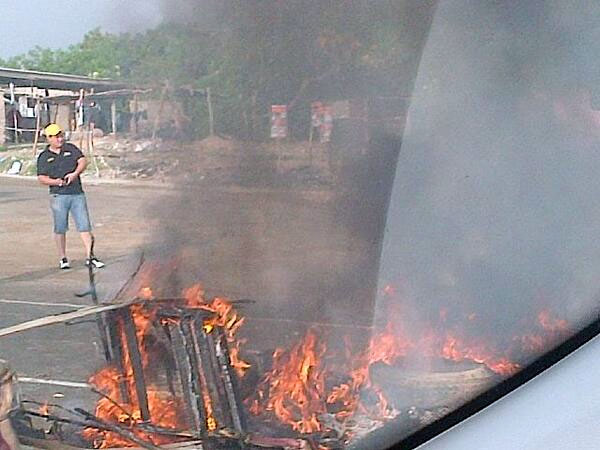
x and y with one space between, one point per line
98 55
254 53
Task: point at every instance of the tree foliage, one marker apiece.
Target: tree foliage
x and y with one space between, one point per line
98 55
254 53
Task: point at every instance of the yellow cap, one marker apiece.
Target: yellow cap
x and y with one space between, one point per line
52 130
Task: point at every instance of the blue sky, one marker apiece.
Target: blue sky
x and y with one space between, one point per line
60 23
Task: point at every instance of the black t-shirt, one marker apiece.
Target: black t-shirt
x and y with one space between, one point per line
57 165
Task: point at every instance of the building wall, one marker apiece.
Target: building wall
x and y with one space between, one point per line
171 118
63 118
2 119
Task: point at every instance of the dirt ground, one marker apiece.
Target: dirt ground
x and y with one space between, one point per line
282 238
220 161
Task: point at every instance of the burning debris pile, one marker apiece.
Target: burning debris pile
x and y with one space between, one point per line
177 372
172 371
318 391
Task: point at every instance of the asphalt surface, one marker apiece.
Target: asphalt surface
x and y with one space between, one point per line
32 286
285 250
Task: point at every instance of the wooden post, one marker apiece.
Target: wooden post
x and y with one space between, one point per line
38 118
2 119
253 115
91 149
160 108
136 363
79 117
88 136
278 149
14 112
79 113
16 127
48 114
113 116
135 114
310 142
211 123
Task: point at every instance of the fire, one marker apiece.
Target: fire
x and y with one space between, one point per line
44 409
225 316
549 331
166 410
386 347
552 324
306 381
295 387
456 350
299 377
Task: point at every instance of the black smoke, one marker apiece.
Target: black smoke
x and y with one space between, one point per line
494 209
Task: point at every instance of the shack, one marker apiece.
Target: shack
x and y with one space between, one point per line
32 99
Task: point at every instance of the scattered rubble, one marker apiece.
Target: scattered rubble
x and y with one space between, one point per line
213 160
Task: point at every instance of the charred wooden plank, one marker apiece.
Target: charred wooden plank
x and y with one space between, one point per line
116 353
230 381
207 375
95 421
65 317
187 376
136 363
168 373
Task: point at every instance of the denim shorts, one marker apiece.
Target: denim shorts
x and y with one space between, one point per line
61 204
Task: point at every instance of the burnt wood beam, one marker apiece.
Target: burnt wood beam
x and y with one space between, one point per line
230 380
189 383
208 375
116 346
136 363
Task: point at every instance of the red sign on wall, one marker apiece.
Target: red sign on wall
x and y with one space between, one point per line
326 123
321 118
279 127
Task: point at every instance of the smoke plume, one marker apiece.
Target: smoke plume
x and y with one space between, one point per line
494 209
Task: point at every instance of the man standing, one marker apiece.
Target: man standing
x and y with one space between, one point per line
59 167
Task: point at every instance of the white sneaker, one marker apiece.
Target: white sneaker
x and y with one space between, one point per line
64 264
94 262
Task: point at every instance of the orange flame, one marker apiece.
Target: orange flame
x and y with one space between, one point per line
551 324
226 317
386 347
455 350
295 388
165 410
295 391
44 409
279 391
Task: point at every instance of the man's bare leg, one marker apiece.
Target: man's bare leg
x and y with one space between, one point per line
61 244
88 238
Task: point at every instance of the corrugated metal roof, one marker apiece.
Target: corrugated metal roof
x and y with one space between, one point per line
49 80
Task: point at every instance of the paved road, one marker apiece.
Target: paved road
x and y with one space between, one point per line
286 250
32 286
